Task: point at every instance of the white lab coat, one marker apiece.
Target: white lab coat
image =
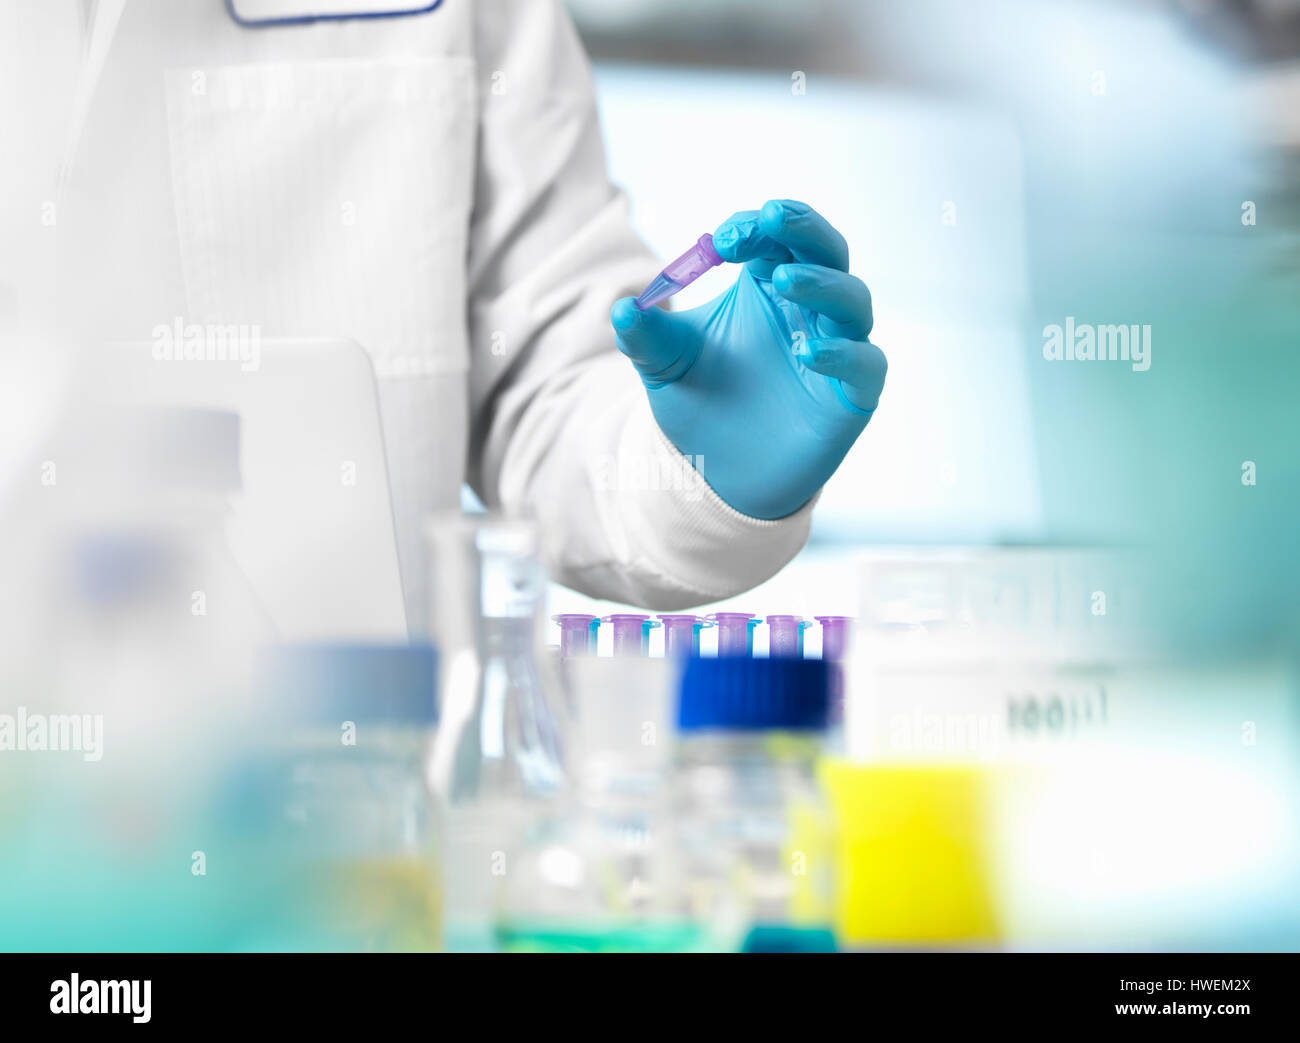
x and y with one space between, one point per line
431 186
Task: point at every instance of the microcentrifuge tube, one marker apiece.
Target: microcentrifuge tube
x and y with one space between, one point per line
735 632
837 632
577 633
785 636
681 273
631 633
682 633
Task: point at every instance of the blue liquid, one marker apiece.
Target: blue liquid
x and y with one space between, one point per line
554 937
783 938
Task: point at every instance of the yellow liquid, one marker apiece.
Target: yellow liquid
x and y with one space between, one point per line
376 905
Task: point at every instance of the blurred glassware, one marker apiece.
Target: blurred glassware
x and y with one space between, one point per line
355 843
145 637
144 502
497 759
756 833
602 873
153 622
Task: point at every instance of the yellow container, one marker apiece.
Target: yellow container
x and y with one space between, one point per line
915 853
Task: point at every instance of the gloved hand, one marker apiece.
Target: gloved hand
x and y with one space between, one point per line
767 386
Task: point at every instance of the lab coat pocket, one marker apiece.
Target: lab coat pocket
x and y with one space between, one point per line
329 198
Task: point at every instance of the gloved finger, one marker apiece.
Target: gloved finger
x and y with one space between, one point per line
657 343
836 296
859 366
808 236
739 240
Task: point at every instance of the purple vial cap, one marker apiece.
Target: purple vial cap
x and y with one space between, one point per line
706 248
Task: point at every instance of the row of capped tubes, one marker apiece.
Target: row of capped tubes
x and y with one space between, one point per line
630 633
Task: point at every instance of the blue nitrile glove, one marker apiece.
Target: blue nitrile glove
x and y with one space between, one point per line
767 386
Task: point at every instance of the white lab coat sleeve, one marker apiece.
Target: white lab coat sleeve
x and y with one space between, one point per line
561 427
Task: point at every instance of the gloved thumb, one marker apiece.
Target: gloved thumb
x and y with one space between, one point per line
658 344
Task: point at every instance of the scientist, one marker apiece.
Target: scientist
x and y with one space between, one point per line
428 179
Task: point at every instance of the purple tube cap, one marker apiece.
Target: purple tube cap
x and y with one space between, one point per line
706 248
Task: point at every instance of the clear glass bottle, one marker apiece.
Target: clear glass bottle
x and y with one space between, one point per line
152 601
355 849
601 873
497 762
146 630
755 832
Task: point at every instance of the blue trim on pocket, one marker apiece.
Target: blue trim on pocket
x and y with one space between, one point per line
307 19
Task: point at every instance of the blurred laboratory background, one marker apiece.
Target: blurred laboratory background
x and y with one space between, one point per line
1032 684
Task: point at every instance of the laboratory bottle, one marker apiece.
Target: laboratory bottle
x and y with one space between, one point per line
150 628
756 833
356 851
158 625
497 758
601 873
150 584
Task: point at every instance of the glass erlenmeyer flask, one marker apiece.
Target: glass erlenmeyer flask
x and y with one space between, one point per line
499 737
496 762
